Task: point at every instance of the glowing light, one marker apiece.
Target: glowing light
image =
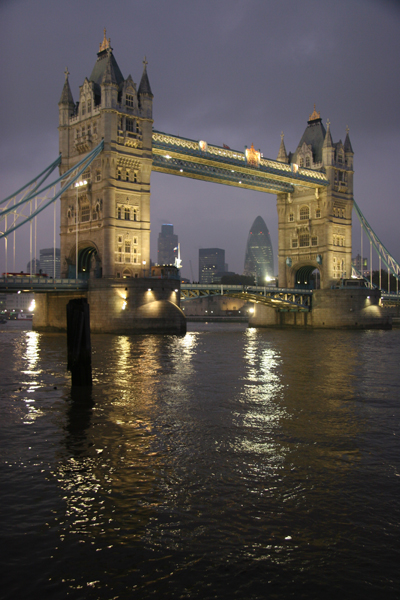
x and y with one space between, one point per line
32 306
124 305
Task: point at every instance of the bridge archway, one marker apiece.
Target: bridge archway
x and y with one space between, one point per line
307 276
89 262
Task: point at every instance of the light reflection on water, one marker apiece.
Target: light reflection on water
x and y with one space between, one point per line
225 463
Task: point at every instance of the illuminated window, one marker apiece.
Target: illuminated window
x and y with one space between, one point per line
304 213
304 240
85 213
127 251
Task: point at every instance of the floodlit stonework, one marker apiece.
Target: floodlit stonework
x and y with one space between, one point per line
315 225
112 211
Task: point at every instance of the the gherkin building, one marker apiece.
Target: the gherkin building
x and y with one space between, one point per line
259 260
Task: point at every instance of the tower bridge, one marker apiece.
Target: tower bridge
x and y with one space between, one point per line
108 149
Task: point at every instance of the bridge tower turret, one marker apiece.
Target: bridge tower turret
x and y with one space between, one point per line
315 225
110 214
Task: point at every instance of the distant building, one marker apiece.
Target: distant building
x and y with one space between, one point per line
259 259
35 266
47 262
20 302
359 263
167 242
211 262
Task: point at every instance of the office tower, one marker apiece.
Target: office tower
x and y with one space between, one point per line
47 262
259 260
211 262
33 266
167 245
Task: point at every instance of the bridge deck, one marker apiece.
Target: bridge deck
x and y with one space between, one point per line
298 299
40 284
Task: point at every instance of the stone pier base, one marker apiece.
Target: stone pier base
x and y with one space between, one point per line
123 306
331 309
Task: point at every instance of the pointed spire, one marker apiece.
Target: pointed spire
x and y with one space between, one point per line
106 43
328 138
315 116
109 76
282 154
66 95
347 143
144 86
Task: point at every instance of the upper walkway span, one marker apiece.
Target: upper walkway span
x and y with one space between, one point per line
249 170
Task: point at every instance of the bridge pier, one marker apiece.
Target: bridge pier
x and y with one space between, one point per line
121 306
331 309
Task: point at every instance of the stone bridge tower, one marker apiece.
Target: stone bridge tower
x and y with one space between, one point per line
112 211
315 227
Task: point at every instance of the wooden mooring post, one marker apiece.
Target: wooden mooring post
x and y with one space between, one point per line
78 342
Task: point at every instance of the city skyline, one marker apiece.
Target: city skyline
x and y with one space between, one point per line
339 56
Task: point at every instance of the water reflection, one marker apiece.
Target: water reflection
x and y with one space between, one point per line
219 461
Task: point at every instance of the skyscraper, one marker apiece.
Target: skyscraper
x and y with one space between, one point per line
47 262
211 262
259 260
167 242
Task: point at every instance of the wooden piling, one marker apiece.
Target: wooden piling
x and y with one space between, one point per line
78 342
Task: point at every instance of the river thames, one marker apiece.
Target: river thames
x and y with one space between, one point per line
228 463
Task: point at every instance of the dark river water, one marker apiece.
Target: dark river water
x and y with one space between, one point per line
228 463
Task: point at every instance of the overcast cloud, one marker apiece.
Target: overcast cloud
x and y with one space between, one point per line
229 72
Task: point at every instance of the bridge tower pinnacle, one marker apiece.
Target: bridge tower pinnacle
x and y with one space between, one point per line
315 226
106 222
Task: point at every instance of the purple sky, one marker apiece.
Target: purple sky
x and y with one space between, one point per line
230 72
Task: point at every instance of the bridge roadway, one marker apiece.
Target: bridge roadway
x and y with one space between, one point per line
11 285
285 299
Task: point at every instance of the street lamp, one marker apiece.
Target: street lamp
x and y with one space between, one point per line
78 184
144 267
